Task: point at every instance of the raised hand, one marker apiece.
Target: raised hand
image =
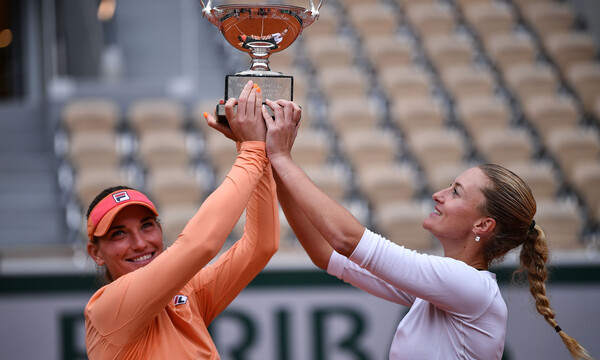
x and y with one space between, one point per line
244 116
282 128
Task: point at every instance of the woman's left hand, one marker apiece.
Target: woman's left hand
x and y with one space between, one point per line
282 128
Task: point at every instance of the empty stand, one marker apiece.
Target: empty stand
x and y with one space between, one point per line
386 183
562 222
150 114
401 222
505 146
550 112
91 114
365 147
490 18
584 78
573 146
481 113
417 113
429 19
540 176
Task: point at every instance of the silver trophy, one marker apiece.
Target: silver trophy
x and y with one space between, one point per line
260 30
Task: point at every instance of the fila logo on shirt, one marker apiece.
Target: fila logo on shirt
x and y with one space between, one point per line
179 299
121 196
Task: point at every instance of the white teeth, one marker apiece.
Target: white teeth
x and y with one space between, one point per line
142 258
437 212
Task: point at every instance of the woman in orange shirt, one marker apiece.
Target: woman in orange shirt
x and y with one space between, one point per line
158 302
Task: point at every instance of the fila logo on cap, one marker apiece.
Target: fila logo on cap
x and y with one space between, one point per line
179 299
120 196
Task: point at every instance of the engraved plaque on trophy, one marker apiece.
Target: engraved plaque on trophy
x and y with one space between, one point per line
260 30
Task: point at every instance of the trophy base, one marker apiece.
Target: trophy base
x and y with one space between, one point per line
273 85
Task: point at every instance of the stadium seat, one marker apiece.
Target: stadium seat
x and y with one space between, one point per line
175 186
562 222
385 183
372 20
586 180
505 146
417 113
540 176
329 51
510 49
585 80
549 112
333 180
404 81
312 147
531 80
569 49
90 114
479 113
389 51
173 220
490 19
446 51
548 17
349 113
220 152
573 146
433 148
466 81
150 114
364 147
90 148
344 81
401 222
431 19
163 148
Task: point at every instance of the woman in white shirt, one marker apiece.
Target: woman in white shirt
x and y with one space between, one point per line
456 309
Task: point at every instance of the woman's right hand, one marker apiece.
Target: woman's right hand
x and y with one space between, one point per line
244 116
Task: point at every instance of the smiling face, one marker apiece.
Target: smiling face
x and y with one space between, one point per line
133 240
456 214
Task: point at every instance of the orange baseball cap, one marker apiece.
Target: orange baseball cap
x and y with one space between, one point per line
105 211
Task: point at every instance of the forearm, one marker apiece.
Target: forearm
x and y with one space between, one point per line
233 271
335 224
262 227
317 248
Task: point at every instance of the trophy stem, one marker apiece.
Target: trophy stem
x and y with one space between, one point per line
260 55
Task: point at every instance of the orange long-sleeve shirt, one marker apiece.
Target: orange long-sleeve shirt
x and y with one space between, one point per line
162 310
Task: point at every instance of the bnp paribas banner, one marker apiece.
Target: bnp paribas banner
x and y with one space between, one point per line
295 315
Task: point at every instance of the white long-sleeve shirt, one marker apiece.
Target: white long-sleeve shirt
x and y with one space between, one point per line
456 311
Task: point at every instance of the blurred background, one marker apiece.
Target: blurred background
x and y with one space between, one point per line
398 98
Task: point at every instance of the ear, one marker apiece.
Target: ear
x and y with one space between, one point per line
95 254
484 226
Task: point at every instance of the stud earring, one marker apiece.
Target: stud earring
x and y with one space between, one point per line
477 238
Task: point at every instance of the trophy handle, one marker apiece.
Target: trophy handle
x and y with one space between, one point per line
313 10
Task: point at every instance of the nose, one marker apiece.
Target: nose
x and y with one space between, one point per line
439 195
138 242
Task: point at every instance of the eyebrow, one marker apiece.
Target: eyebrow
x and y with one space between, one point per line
123 226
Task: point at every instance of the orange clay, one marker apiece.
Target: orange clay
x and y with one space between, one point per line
205 114
258 89
255 85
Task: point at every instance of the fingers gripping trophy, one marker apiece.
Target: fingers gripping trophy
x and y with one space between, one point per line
260 30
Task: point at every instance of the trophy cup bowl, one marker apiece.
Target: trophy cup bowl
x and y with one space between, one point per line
259 30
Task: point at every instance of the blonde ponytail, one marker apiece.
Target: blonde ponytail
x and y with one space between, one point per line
533 257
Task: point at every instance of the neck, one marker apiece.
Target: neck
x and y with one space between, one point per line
469 254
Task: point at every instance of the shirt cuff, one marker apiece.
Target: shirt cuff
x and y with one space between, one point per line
335 266
245 145
364 250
